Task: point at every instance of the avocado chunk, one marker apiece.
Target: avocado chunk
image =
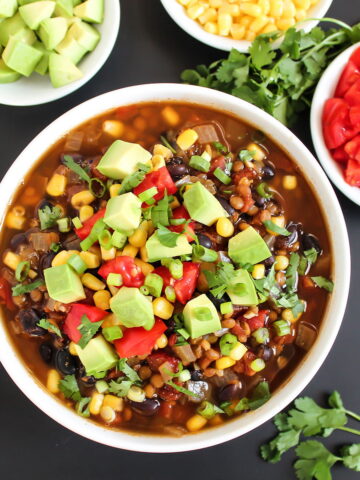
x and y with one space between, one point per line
63 284
10 26
76 2
43 66
26 36
52 31
64 8
91 11
123 213
86 35
122 159
202 205
21 57
201 317
34 13
62 70
156 250
71 49
98 355
6 74
248 247
8 8
132 308
241 289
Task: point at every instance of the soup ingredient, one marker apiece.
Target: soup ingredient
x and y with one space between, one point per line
341 121
132 308
123 213
201 317
157 245
248 247
281 81
63 284
74 318
241 289
309 419
97 355
202 205
244 20
138 341
47 37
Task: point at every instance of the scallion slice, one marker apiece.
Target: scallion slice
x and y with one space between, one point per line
263 190
199 163
148 194
170 293
281 327
144 290
112 333
114 279
206 410
22 271
77 263
204 254
226 308
94 235
76 222
227 343
221 175
154 283
64 224
97 187
105 239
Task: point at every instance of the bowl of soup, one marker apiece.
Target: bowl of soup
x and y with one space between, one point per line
175 268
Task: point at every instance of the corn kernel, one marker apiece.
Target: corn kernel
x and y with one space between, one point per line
300 15
195 423
270 27
250 36
216 420
251 9
184 3
108 254
114 402
138 238
259 153
72 349
216 3
130 250
281 262
57 185
162 150
11 260
162 341
86 212
15 221
224 362
114 128
187 138
143 254
170 115
265 6
61 258
82 198
289 10
289 182
91 259
237 31
162 308
158 161
145 267
102 299
258 271
110 320
285 23
90 281
279 221
209 15
245 20
224 24
303 4
238 351
136 394
114 189
224 227
96 403
276 8
258 23
52 382
195 11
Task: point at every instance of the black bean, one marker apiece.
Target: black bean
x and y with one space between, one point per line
259 201
204 240
64 362
230 392
226 205
265 352
147 408
45 262
269 262
196 375
29 318
18 239
87 381
178 171
282 242
268 172
46 351
310 241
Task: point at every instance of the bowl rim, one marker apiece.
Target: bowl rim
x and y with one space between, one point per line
325 89
106 46
336 304
177 12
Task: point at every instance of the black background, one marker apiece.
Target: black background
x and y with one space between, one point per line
151 48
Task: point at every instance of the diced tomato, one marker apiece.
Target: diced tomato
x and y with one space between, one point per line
352 173
247 359
258 321
218 162
168 393
350 75
336 123
355 58
155 360
131 274
73 319
354 116
352 96
161 179
352 148
181 212
138 341
185 287
85 230
340 155
5 294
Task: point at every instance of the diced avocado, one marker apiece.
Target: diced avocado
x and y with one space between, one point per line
86 35
202 205
156 250
21 57
91 11
6 74
123 213
52 31
76 2
43 66
71 49
25 2
26 36
34 13
132 308
10 26
121 159
98 355
248 247
64 8
241 289
8 8
201 317
63 284
62 71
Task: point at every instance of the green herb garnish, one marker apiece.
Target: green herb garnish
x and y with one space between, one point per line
181 389
87 329
324 283
276 229
46 325
129 372
82 407
48 216
167 144
167 237
219 281
20 289
96 186
220 147
133 180
260 395
246 155
70 388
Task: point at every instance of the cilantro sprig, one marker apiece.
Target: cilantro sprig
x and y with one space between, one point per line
48 216
50 327
87 329
122 385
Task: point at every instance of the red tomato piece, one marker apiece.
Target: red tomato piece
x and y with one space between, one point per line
336 123
218 162
354 116
350 75
132 275
185 287
258 321
352 173
352 96
181 212
352 148
85 230
138 341
5 294
161 179
168 393
73 319
155 360
340 155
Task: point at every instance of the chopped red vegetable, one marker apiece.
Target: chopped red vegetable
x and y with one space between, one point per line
73 319
131 274
181 212
138 341
185 287
85 230
5 294
161 179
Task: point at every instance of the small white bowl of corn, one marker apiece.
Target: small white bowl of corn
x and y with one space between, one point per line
227 24
50 48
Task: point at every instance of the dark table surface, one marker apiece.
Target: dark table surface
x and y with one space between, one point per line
151 48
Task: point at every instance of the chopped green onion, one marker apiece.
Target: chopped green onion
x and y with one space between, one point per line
206 155
94 235
227 343
55 247
118 239
64 224
202 313
114 279
246 155
22 271
206 410
154 283
77 263
221 175
97 187
112 333
324 283
101 386
99 374
275 228
181 389
148 194
76 222
177 221
170 293
144 290
263 190
226 308
261 335
184 333
184 376
199 163
20 289
176 269
204 254
82 407
257 365
165 142
281 328
220 147
105 239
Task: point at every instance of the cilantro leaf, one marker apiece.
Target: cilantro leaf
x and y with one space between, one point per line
315 461
351 456
76 168
324 283
48 216
47 325
291 273
20 288
133 180
120 387
87 329
219 281
261 52
167 237
181 389
276 229
311 255
260 395
129 372
273 451
70 388
335 400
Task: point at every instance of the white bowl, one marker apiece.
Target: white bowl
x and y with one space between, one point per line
325 90
192 27
339 244
37 89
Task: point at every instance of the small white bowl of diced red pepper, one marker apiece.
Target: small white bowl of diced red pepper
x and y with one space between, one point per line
49 48
335 122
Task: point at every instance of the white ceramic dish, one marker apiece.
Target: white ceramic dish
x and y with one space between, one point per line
324 90
37 89
178 14
339 243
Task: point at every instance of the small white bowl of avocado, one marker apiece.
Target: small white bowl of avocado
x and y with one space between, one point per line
50 48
